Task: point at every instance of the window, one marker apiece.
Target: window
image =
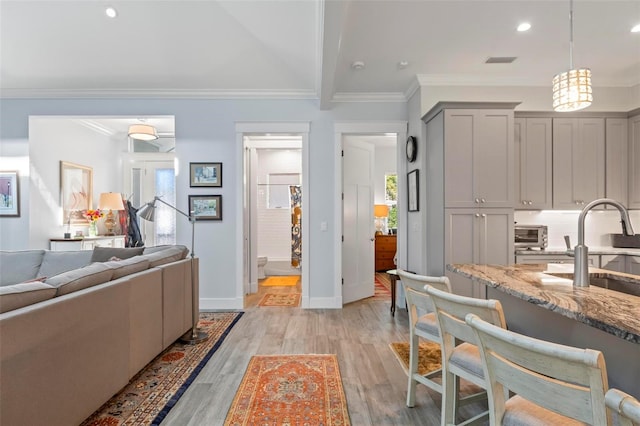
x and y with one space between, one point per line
391 199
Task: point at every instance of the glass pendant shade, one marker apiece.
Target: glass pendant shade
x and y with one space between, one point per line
572 90
143 132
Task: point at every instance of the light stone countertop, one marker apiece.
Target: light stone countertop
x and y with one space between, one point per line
610 311
592 250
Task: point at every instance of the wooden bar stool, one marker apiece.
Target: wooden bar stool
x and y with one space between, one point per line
553 384
626 407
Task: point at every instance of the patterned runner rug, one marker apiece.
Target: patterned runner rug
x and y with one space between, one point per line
149 396
279 390
429 358
380 290
384 279
281 280
291 300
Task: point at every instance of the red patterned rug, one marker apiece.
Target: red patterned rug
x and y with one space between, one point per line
279 390
380 291
291 300
149 396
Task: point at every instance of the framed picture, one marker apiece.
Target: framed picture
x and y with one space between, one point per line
205 174
76 192
412 185
9 194
206 207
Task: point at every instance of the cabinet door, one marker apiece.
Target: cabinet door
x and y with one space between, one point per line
616 179
533 159
458 158
578 161
493 158
613 262
633 265
634 162
459 246
495 242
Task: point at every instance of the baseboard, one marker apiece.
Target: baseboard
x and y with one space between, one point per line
216 304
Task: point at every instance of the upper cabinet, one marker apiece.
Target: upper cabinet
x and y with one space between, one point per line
578 162
617 151
533 156
634 162
478 153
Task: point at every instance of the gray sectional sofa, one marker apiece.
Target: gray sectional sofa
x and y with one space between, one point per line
75 327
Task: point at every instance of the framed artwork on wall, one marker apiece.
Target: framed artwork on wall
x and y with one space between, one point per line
76 192
205 175
206 207
9 194
412 185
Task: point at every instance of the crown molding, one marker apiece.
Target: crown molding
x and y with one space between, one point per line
155 94
369 97
495 80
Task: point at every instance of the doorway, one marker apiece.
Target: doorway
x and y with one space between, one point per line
274 180
355 251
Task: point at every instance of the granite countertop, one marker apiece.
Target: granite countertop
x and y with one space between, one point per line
592 250
610 311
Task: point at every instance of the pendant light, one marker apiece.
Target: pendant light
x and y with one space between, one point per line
572 89
143 132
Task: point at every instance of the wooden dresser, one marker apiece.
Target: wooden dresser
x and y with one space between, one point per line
385 250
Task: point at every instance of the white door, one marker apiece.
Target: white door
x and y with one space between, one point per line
357 221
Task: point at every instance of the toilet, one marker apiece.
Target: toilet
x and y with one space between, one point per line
262 260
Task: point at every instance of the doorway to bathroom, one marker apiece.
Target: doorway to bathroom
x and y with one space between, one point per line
273 198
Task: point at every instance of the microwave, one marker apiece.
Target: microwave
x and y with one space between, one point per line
531 236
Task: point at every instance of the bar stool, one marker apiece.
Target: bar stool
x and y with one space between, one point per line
460 355
422 325
626 406
554 384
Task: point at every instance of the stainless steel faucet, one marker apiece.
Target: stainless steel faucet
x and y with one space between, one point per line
581 252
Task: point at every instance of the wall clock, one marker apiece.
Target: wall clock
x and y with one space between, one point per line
412 148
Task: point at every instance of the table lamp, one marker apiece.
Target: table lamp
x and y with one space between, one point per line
380 212
110 201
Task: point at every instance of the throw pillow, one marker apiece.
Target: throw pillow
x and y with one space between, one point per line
68 282
19 266
103 254
57 262
24 294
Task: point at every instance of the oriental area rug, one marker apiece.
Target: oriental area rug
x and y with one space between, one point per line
287 390
290 300
281 280
429 358
153 392
381 288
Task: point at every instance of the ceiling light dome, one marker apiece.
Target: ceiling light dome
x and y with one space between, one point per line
143 132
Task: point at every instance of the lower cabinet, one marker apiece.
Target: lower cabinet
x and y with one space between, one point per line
633 265
594 260
613 262
479 236
385 251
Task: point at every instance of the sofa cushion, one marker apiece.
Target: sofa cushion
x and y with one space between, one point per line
103 254
129 266
24 294
77 279
57 262
168 255
154 249
19 266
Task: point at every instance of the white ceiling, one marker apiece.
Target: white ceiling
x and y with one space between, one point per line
304 48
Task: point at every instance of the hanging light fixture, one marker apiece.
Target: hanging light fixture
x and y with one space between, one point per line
143 132
572 89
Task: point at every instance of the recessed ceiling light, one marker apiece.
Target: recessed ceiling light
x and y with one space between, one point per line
636 29
525 26
403 64
111 12
357 65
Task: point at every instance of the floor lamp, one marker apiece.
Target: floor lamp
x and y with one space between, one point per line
148 212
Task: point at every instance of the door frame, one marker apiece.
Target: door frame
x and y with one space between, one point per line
242 128
362 128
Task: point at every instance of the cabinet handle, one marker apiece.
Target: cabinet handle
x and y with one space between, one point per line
530 202
524 202
477 200
483 215
477 214
482 200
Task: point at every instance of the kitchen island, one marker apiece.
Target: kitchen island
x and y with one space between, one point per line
541 301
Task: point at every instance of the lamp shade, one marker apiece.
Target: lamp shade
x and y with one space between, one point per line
148 211
380 210
143 132
110 201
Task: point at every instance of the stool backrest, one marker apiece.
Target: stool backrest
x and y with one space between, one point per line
414 289
626 406
567 380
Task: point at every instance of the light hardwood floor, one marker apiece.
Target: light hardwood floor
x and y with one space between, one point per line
374 383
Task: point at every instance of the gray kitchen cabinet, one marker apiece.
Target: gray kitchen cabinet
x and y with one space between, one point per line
532 165
633 265
613 262
478 236
532 259
478 156
617 142
578 162
634 162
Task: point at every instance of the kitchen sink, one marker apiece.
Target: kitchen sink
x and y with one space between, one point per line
613 282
